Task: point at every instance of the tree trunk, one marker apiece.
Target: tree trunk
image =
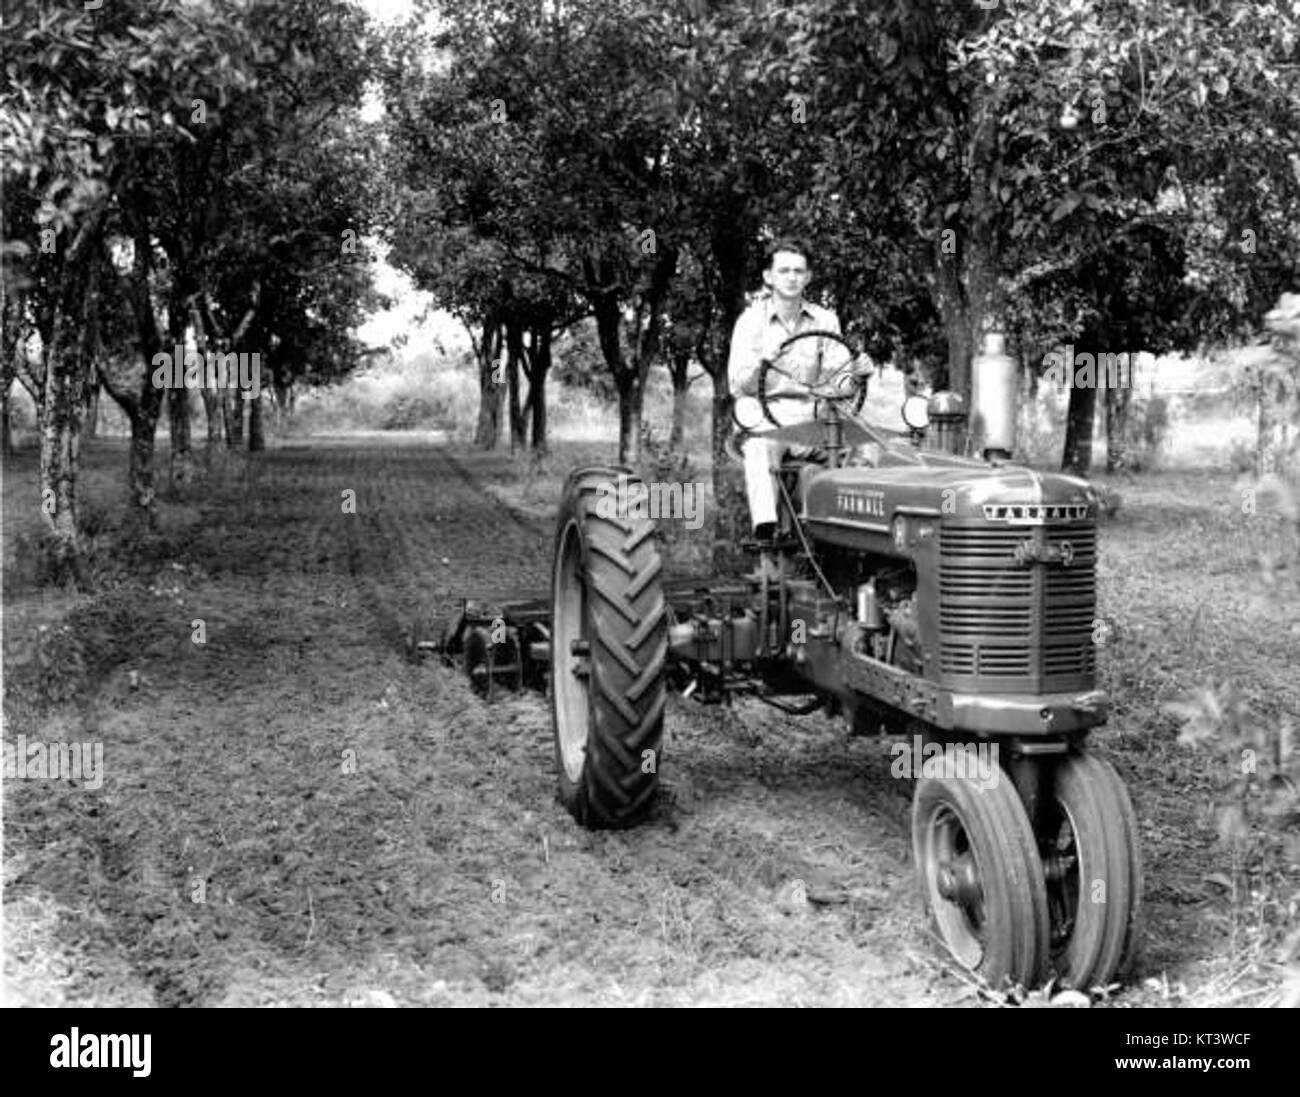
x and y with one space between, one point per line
227 395
606 308
233 409
6 436
1271 426
1080 418
140 474
967 304
957 327
1031 376
210 395
631 400
489 392
514 359
60 446
13 356
681 364
141 411
181 468
678 430
537 396
731 510
283 394
212 416
256 434
67 359
142 408
1118 400
540 367
90 424
964 282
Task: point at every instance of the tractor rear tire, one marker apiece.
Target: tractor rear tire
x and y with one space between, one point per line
1089 845
609 643
980 877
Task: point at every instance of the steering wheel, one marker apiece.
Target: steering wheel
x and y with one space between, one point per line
844 391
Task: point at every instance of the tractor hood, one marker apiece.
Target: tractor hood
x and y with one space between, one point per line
941 486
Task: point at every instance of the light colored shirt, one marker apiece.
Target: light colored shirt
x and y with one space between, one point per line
759 333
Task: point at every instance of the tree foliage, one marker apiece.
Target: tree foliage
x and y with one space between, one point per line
191 167
1116 174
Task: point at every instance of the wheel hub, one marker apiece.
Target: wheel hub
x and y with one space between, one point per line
958 881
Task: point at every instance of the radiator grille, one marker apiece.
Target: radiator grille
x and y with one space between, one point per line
1017 626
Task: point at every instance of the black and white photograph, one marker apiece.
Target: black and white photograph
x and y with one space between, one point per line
652 503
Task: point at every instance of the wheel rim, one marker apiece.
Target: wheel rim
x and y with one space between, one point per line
1063 868
954 883
570 655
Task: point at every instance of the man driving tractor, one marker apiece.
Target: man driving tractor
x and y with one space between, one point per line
757 339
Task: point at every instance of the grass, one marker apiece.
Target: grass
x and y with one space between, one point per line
1186 602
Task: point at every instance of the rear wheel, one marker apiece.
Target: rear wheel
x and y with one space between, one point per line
609 641
1093 870
981 878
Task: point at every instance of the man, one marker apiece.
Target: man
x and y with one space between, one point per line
759 333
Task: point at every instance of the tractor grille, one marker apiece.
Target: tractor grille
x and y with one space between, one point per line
1017 626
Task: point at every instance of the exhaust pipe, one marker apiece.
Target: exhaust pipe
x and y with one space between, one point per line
995 383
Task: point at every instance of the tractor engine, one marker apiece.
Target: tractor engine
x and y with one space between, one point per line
882 595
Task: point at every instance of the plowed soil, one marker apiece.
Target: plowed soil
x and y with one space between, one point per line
293 813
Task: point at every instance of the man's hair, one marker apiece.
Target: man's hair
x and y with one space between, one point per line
795 244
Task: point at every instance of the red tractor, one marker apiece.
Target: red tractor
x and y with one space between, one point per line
921 592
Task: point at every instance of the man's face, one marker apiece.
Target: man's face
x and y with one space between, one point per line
787 276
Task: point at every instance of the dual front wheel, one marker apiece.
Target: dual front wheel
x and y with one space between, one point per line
1017 902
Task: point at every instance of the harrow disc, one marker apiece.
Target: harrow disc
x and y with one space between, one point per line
492 665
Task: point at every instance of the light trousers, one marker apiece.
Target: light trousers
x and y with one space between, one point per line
762 458
763 454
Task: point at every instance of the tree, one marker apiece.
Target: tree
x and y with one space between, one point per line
137 136
1019 142
540 132
87 92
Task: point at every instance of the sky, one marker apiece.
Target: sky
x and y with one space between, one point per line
381 327
384 11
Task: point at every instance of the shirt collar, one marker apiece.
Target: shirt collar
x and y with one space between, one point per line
805 309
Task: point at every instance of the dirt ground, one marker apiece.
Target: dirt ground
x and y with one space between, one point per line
294 814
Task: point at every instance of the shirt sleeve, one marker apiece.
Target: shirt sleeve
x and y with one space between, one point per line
746 354
835 356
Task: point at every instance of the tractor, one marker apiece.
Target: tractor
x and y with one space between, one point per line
924 591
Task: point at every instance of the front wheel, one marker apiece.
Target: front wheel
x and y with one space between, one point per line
609 642
1093 869
981 878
